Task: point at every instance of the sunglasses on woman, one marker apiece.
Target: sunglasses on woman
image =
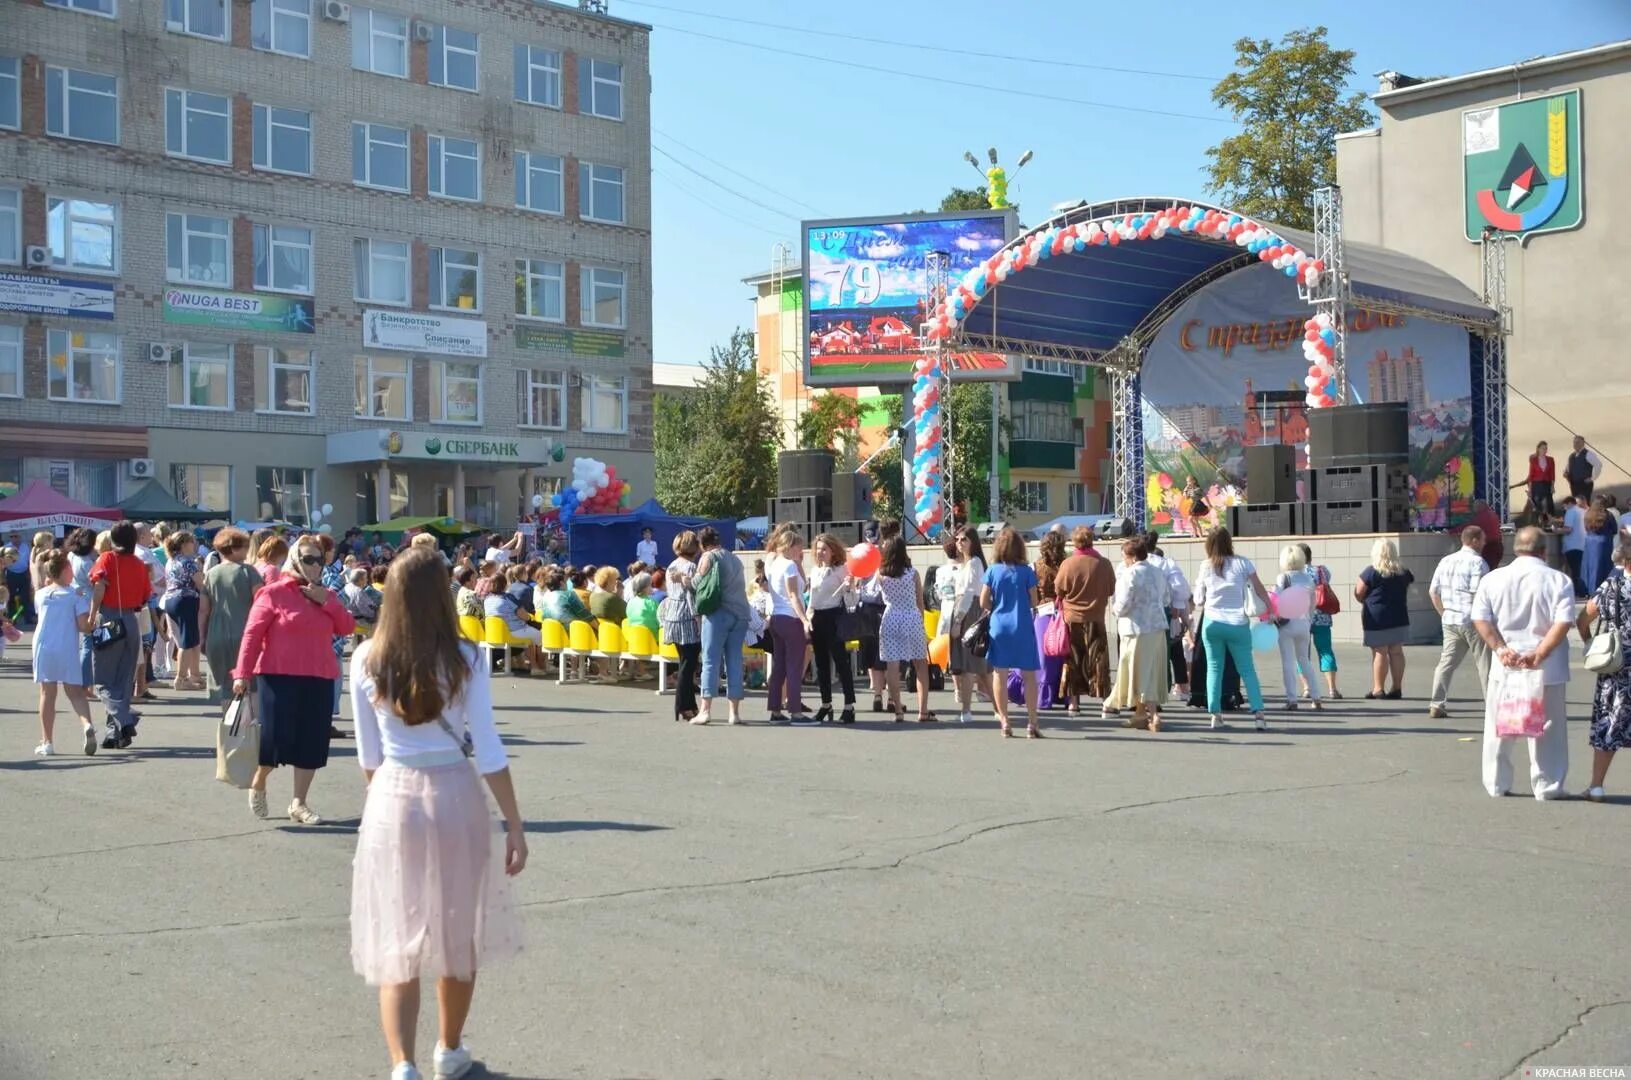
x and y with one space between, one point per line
311 560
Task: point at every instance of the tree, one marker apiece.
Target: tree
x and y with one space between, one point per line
831 422
966 199
886 470
1291 101
968 450
715 449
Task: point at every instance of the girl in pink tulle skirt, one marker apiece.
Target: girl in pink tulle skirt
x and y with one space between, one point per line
429 887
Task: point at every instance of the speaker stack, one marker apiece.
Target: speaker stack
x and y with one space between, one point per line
814 496
1359 478
1271 484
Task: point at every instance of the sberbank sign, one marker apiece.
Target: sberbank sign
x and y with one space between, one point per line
483 448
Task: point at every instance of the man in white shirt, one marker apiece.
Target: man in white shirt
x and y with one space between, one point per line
1178 586
501 552
1574 540
1581 469
1455 581
1524 612
646 550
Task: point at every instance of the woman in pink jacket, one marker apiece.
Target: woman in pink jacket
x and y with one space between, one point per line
286 651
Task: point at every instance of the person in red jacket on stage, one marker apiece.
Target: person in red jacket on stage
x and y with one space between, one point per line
1541 481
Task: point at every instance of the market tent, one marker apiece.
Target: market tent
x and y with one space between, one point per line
610 539
445 525
40 506
153 503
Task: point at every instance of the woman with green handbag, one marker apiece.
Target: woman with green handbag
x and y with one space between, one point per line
722 601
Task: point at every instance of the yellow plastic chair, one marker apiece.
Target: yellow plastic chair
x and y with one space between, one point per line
611 638
580 637
554 635
471 629
667 653
639 640
495 640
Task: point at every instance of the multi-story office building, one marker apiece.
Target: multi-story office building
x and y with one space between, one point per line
1397 378
282 253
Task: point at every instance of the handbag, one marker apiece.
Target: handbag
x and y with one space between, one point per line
708 588
1520 704
1325 597
1056 641
977 637
1254 603
849 626
1603 655
237 744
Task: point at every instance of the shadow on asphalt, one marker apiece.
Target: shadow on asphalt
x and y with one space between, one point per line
590 826
327 827
516 740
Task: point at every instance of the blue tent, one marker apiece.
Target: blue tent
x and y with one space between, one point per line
610 539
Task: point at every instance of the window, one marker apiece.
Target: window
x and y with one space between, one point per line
383 387
82 367
281 26
11 361
201 377
600 192
1076 498
455 279
379 42
11 98
1031 496
540 290
11 237
81 105
1044 421
207 487
283 259
1039 366
538 76
201 18
455 168
538 182
283 494
94 7
454 58
379 156
284 380
198 126
199 249
382 271
603 297
543 399
83 235
282 140
600 88
605 404
455 393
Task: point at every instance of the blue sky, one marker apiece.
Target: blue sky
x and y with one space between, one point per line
809 139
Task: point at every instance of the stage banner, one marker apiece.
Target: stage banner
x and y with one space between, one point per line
1227 372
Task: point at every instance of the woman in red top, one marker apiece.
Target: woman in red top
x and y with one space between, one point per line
286 649
1542 478
120 587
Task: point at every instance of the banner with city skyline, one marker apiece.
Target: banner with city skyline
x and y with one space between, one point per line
1227 371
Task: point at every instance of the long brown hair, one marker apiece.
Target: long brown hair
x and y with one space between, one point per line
1220 548
414 658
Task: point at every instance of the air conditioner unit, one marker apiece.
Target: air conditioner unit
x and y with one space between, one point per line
423 31
159 352
141 468
36 257
335 11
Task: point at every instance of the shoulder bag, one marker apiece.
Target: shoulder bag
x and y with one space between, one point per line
1603 655
977 638
108 630
1325 597
1253 603
708 588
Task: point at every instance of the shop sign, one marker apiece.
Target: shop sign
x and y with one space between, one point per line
356 446
408 331
602 343
49 294
239 311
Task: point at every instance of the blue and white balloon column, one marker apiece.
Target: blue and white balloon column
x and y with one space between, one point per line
927 501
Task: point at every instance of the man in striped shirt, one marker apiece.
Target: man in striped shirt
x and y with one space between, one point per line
1454 582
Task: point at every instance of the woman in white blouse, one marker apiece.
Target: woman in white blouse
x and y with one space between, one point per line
428 893
1141 603
1221 591
832 592
959 586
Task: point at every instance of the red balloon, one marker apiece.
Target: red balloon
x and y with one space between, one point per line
863 560
1114 239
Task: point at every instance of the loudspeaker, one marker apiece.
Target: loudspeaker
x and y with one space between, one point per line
1271 473
1376 434
851 496
1361 516
1267 519
848 533
1355 483
800 509
804 472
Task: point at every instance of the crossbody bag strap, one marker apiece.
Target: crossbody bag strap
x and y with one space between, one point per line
464 747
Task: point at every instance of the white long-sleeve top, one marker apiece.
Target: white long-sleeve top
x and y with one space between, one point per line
828 588
381 733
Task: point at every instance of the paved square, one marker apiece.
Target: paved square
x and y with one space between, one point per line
1334 898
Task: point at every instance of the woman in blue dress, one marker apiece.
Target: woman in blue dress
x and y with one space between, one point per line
1597 561
1010 595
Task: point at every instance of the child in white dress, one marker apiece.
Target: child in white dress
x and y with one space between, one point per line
64 614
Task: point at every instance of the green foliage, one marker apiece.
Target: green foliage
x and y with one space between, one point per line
831 422
968 449
1290 99
715 449
886 469
966 199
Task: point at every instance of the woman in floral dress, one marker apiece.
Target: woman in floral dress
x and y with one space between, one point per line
1611 705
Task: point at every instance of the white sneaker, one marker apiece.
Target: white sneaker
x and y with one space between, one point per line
1217 723
90 741
452 1064
45 749
405 1070
966 717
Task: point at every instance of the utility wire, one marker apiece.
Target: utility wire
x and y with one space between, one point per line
872 40
746 198
716 209
959 83
1565 427
736 172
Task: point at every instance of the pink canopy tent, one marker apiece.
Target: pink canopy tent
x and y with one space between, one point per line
39 506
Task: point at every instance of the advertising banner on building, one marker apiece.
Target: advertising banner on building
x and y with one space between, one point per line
239 311
412 331
49 294
598 343
1226 372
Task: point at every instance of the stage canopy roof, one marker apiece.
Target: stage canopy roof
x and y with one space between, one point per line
1081 304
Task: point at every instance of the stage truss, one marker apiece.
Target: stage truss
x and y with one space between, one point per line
1123 363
